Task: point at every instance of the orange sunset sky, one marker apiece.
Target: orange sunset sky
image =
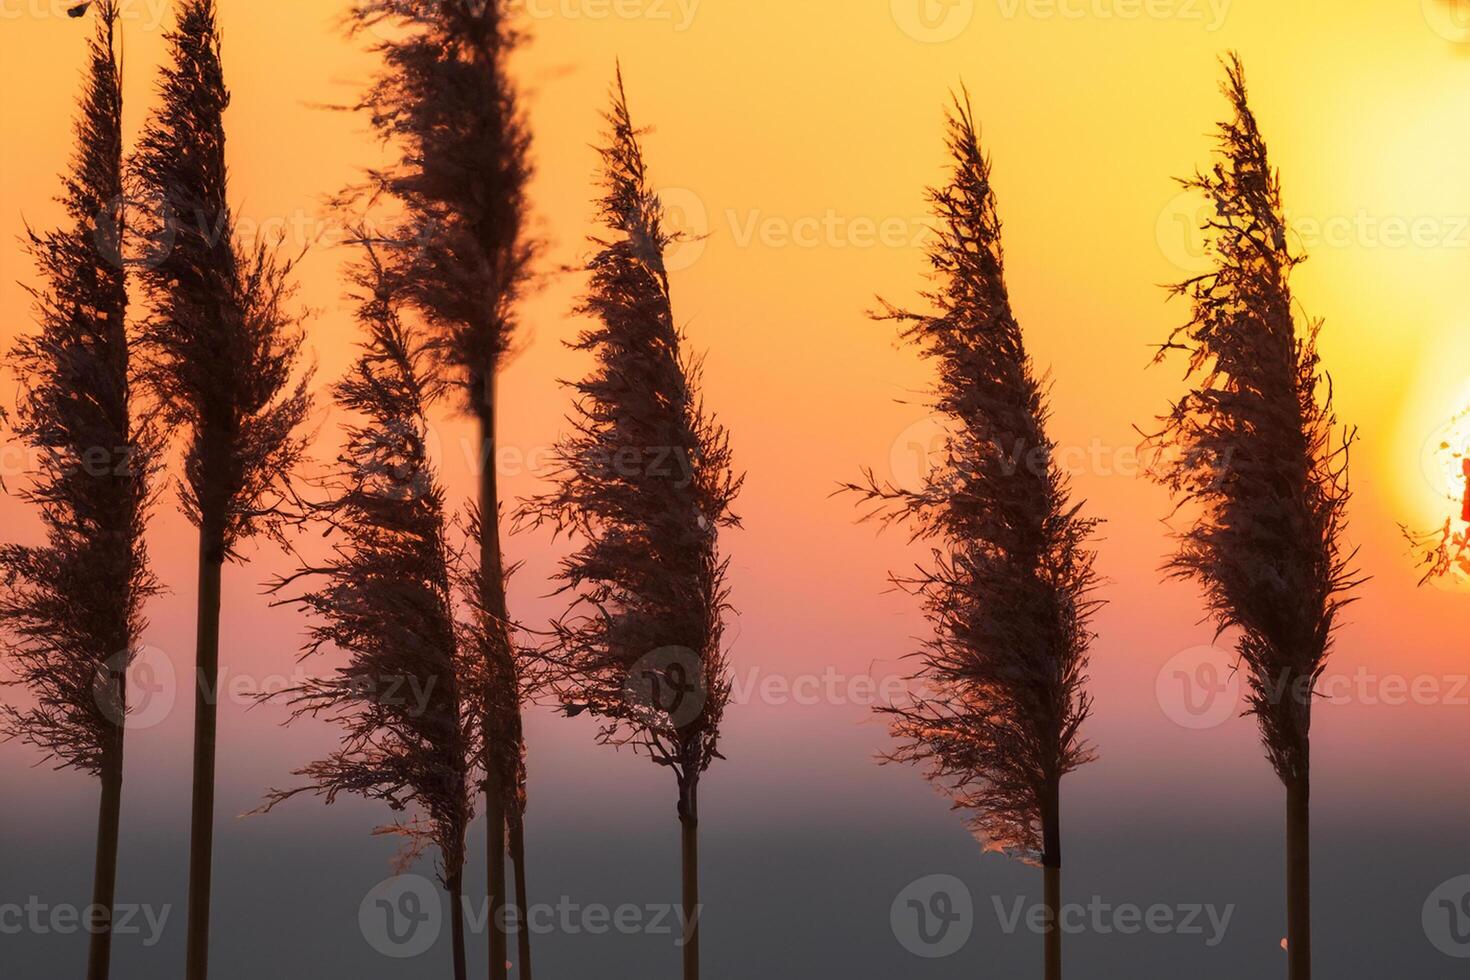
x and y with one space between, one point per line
799 137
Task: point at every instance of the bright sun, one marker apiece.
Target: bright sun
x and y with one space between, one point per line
1445 457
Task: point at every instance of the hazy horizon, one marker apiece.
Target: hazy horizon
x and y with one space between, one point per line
800 138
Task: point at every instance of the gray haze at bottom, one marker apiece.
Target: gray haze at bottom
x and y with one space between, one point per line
810 899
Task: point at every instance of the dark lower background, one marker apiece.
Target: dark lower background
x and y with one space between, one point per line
801 865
